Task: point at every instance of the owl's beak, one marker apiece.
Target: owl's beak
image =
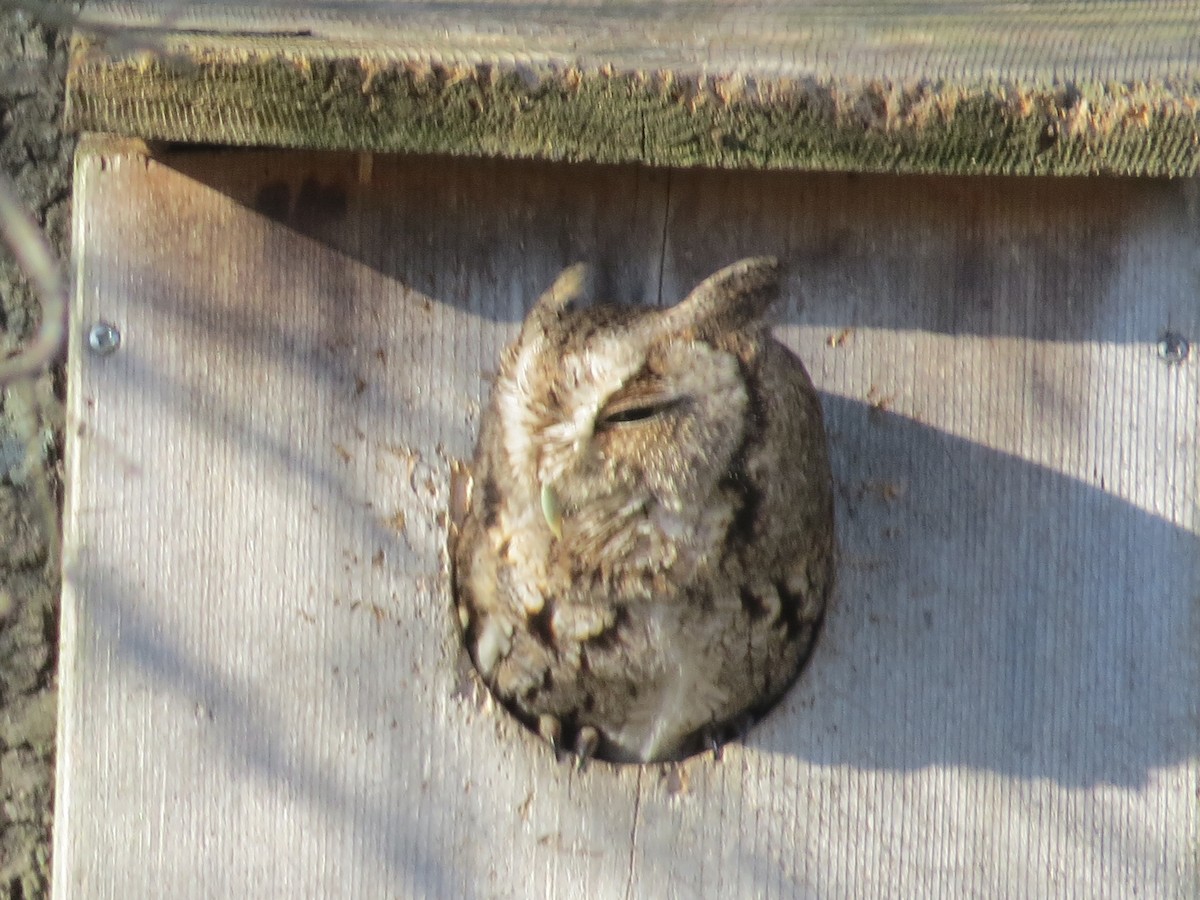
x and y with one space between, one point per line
551 510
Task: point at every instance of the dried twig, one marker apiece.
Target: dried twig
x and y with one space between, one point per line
37 260
19 372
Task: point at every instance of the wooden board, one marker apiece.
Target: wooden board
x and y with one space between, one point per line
949 86
261 688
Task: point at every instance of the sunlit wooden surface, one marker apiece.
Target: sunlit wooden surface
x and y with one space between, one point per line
261 689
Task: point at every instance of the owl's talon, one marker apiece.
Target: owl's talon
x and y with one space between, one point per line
718 736
715 746
586 744
550 730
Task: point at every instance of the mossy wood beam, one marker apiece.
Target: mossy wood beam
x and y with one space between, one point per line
1109 86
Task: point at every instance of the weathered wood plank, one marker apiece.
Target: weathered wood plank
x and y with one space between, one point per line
261 690
950 86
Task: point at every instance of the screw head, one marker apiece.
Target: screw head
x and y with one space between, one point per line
104 338
1173 348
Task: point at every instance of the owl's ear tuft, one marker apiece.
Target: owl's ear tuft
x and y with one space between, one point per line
572 284
736 296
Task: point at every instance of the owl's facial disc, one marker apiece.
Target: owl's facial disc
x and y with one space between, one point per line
626 409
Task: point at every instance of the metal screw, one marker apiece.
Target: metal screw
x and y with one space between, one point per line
104 339
1173 348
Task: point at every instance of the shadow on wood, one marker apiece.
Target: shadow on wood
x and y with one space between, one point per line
984 256
1005 617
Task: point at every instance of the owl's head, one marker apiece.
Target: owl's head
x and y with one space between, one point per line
618 424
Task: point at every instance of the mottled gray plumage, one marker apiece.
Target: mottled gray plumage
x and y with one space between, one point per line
648 544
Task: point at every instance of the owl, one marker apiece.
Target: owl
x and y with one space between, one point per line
642 563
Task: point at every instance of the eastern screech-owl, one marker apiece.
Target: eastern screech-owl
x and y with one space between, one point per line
647 548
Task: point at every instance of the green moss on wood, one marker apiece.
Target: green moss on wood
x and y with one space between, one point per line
288 100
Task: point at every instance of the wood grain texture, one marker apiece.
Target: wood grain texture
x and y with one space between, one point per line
941 86
262 692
